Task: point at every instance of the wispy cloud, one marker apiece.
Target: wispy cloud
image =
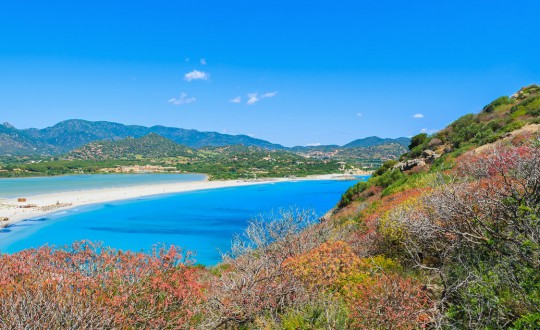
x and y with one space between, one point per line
203 61
428 131
269 94
418 115
196 75
253 98
183 99
237 99
316 144
359 114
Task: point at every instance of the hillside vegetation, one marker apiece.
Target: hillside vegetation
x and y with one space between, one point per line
447 237
79 146
225 162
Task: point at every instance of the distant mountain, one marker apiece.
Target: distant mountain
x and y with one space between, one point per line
151 146
69 135
74 133
364 150
373 141
16 142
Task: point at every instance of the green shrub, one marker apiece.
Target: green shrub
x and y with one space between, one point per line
353 191
503 100
418 140
387 178
512 126
530 107
385 167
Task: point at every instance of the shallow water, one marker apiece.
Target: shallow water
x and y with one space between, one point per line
203 221
21 187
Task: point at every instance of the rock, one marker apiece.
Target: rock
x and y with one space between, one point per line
409 164
430 155
435 142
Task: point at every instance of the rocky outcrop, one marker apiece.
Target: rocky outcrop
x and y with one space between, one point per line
409 164
428 156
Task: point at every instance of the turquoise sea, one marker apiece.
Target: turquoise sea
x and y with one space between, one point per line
203 221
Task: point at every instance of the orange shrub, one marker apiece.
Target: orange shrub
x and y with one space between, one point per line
93 287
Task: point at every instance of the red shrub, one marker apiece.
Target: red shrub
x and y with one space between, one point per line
93 287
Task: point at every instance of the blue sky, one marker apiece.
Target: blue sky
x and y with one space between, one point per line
292 72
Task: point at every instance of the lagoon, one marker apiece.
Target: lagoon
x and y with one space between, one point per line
203 221
22 187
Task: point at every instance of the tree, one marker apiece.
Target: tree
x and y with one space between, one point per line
417 140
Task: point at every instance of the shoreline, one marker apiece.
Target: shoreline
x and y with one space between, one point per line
44 204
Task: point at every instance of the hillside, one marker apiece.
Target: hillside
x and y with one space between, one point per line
370 157
71 134
151 146
164 155
446 238
15 142
373 141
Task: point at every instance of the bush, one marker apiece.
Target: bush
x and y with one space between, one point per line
385 167
529 106
91 287
418 140
480 236
352 193
503 100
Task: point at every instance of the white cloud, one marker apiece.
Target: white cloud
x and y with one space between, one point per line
359 114
237 99
316 144
183 99
418 115
269 94
428 131
203 61
255 97
196 75
252 98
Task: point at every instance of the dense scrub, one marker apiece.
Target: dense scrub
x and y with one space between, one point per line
91 287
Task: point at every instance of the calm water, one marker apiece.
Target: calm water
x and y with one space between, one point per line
20 187
203 221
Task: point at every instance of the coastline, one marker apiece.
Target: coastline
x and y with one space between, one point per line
41 205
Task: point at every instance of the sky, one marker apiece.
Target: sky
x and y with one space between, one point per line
291 72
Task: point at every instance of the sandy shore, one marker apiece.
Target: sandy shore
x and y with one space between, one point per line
12 211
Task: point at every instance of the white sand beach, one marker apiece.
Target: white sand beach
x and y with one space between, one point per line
11 210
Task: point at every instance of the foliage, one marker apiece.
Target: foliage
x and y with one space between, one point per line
258 282
88 286
503 100
417 140
480 236
389 302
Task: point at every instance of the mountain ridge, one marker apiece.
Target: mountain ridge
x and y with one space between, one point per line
71 134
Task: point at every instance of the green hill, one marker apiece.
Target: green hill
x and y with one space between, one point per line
151 146
71 134
373 141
